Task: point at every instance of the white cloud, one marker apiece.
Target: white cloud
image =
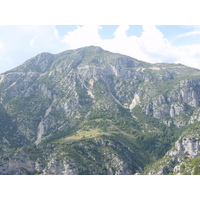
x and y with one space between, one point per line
89 35
121 32
189 55
151 46
152 39
23 42
33 41
19 43
83 36
191 33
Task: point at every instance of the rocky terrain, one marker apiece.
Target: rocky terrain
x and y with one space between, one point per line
90 111
183 158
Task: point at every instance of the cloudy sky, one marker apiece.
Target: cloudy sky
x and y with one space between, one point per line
164 43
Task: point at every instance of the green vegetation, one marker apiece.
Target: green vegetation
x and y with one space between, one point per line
154 133
121 119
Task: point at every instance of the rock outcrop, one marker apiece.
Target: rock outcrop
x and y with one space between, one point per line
178 160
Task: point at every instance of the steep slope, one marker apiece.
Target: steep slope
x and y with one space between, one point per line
126 105
183 158
100 153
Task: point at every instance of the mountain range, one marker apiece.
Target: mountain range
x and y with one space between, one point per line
91 111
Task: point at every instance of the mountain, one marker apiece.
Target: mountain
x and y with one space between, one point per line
90 111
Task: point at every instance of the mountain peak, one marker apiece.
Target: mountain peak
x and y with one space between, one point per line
91 48
91 111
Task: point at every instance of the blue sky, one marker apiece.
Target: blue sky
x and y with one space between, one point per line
151 43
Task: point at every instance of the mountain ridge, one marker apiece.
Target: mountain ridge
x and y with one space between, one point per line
91 49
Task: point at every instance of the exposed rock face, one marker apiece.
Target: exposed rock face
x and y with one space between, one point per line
135 101
195 116
54 160
186 149
187 146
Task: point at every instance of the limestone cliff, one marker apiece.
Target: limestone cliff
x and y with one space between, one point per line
183 158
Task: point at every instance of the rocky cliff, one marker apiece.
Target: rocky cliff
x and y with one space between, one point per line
86 156
183 158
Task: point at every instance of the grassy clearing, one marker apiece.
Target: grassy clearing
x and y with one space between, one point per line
93 131
83 134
